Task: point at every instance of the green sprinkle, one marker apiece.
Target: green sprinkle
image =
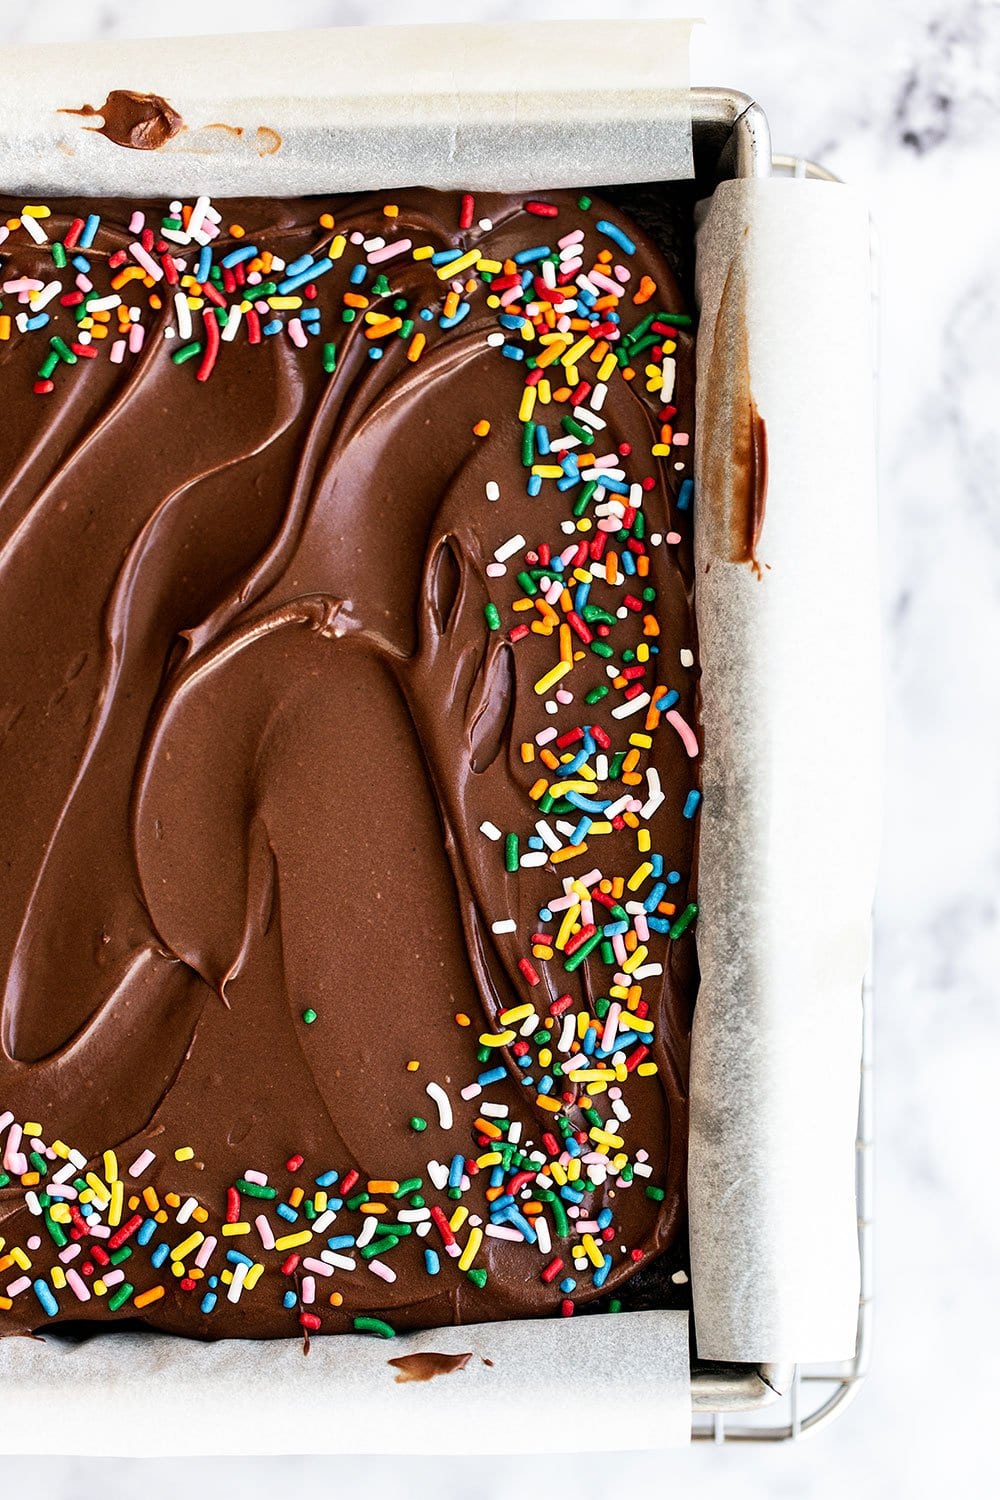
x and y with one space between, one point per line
416 1123
266 288
477 1276
374 1325
348 315
59 1236
409 1186
577 430
684 921
614 1305
596 694
254 1189
186 352
676 320
120 1296
309 1015
378 1247
584 202
381 286
584 498
615 768
492 616
559 1217
576 959
510 853
528 445
357 1200
4 1179
59 254
601 648
657 1194
48 365
329 358
607 952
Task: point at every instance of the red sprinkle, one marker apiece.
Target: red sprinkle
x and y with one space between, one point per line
294 1163
444 1228
567 1308
232 1206
310 1321
465 216
125 1232
289 1264
212 338
552 1270
542 209
72 234
529 971
350 1179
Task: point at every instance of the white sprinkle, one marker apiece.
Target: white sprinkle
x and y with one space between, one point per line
546 835
438 1174
647 971
236 1285
630 706
367 1232
186 1209
507 925
656 794
514 1133
413 1215
44 297
687 657
437 1093
533 860
34 229
680 1277
342 1262
495 340
495 1111
509 548
491 831
322 1224
202 205
103 304
184 325
233 323
542 1231
492 490
486 225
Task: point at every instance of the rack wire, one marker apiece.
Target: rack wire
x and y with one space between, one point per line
780 1403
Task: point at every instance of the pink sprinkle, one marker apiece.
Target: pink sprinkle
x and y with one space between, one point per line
388 252
205 1250
318 1267
563 695
673 537
144 1160
308 1289
35 1242
136 334
297 333
573 238
265 1232
70 1253
15 1288
117 351
78 1286
149 265
684 730
681 439
112 1278
11 1150
136 222
260 1178
384 1272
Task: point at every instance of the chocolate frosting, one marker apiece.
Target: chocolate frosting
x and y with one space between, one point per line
143 122
251 721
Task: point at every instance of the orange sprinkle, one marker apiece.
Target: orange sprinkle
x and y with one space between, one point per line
237 231
327 221
463 1019
145 1298
481 428
647 286
415 349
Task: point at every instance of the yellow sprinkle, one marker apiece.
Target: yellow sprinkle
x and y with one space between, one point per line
638 876
60 1213
145 1298
58 1278
186 1246
491 267
252 1277
635 1023
567 926
462 1019
117 1203
184 1153
20 1258
110 1166
471 1250
412 1067
499 1039
549 680
634 959
337 247
291 1241
643 840
423 252
320 1201
230 1229
458 1218
518 1013
527 405
646 1069
590 1246
446 272
284 302
99 1288
490 1159
35 211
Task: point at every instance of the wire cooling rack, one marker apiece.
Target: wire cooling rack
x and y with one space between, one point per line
776 1403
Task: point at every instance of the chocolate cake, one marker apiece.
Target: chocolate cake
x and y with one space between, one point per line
348 761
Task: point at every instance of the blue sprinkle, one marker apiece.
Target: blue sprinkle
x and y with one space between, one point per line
567 1284
374 352
204 267
39 321
686 494
294 267
616 485
674 878
237 257
237 1258
665 700
604 1218
525 257
656 860
288 1300
511 320
655 896
572 766
275 326
499 1205
535 842
511 351
589 1041
159 1255
628 562
691 804
527 1080
492 1075
146 1231
580 596
327 1179
546 1086
44 1294
496 1176
432 1264
208 1302
89 231
587 804
601 1276
581 830
310 315
515 1217
572 1146
658 924
291 283
358 274
287 1212
443 257
463 312
455 1170
213 1282
544 915
620 238
542 439
83 264
426 313
615 929
570 1195
534 484
340 1241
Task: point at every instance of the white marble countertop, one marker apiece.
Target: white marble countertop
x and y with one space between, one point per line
900 97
